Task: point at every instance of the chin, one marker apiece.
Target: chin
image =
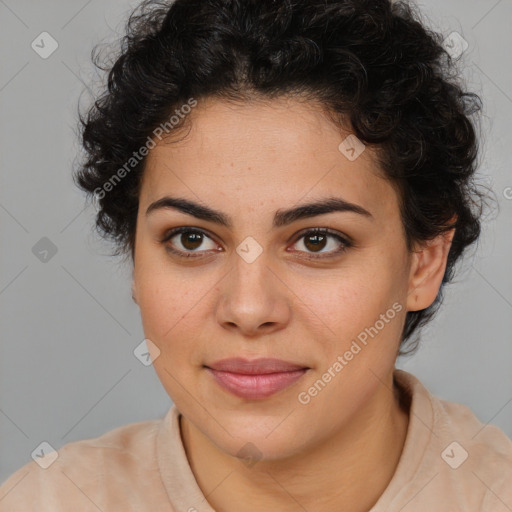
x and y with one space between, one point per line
255 439
251 450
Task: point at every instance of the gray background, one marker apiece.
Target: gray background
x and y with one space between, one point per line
69 326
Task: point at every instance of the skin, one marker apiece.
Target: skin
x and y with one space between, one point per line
250 160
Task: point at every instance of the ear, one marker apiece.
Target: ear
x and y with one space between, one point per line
134 291
427 271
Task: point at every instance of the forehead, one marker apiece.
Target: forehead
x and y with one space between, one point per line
275 153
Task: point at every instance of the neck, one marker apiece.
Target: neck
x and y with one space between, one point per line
348 472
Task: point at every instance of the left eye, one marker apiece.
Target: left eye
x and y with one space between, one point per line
316 240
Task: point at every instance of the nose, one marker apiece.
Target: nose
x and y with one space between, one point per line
253 298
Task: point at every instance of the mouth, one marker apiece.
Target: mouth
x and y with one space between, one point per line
255 379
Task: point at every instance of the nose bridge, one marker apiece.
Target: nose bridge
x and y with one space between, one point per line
250 272
250 296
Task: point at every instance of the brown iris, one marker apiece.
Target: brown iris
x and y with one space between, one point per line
314 242
191 240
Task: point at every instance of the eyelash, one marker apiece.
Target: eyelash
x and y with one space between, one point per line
345 244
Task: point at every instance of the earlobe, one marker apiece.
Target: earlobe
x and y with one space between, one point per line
134 293
427 271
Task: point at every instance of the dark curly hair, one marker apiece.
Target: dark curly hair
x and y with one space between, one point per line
372 63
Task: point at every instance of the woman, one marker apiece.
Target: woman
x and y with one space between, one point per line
294 184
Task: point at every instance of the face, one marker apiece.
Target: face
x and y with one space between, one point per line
264 284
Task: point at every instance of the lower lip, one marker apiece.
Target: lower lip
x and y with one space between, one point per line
255 387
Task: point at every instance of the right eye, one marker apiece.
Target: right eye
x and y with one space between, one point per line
185 242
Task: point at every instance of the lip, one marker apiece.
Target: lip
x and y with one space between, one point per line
255 379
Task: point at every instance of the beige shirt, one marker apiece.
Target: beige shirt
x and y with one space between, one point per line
450 462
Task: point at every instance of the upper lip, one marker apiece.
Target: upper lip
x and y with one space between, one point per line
254 366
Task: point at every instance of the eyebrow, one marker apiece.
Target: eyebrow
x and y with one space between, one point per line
281 217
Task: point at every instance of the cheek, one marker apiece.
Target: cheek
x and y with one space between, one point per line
354 311
345 302
174 308
165 293
360 346
165 305
171 313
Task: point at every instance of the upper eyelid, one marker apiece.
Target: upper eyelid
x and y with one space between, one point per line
343 239
170 233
